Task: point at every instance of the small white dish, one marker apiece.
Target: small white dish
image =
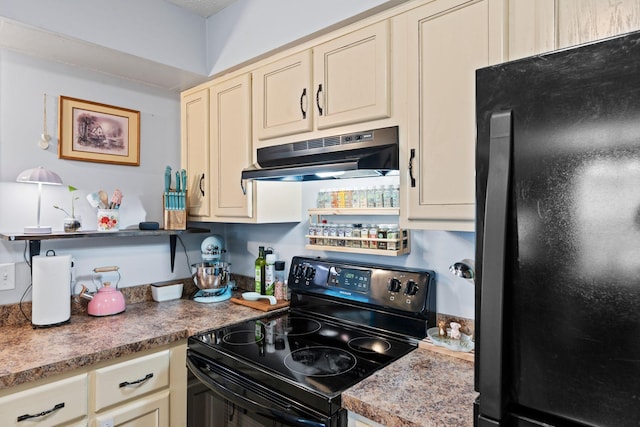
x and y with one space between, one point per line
465 344
255 296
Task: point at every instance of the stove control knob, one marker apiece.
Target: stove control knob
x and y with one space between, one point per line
412 288
298 270
309 272
394 285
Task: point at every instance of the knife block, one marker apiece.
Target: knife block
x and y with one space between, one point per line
175 210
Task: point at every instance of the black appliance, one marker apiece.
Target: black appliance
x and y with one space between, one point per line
368 153
558 238
346 320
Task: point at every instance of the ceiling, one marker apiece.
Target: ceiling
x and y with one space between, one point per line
204 8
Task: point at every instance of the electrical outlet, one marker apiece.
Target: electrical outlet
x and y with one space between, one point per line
7 276
106 423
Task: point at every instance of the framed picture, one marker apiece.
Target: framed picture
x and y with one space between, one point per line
94 132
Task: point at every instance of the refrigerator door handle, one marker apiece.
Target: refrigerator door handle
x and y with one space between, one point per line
493 268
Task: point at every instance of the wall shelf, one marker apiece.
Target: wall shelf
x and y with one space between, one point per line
34 240
401 244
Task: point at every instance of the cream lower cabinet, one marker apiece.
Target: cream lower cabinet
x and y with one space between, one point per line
195 158
141 391
447 40
538 26
342 81
146 390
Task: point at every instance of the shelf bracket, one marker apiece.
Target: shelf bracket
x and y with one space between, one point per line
172 247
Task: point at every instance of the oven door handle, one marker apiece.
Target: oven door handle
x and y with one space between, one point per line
245 401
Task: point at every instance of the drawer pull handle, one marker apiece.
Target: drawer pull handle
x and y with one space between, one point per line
411 177
302 97
127 383
318 99
41 414
200 185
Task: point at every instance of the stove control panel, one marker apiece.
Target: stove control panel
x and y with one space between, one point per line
397 288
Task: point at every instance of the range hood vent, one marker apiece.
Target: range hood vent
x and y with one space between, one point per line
360 154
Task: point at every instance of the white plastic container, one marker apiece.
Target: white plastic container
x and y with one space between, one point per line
166 292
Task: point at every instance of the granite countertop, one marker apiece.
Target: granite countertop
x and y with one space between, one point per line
29 354
424 388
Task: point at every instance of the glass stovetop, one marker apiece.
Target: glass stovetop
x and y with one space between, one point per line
319 355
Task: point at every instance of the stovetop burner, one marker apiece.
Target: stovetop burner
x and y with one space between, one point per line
320 361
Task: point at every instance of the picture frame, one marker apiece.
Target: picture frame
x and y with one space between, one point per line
94 132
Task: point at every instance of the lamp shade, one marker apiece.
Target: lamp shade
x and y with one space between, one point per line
39 175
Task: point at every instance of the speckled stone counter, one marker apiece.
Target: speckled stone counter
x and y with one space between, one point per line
423 389
29 354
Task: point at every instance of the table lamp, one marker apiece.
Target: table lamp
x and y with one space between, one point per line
39 176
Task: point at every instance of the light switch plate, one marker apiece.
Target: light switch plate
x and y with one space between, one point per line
7 276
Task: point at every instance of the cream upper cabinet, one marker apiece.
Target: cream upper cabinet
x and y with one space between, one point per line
281 97
351 77
447 40
538 26
230 122
233 200
194 119
343 81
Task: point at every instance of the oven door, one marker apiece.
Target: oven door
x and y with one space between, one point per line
218 397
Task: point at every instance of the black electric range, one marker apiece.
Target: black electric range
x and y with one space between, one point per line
346 321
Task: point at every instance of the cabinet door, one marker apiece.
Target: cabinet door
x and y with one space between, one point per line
447 41
195 150
351 77
150 411
231 147
282 97
539 26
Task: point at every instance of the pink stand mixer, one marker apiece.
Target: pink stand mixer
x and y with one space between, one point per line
107 300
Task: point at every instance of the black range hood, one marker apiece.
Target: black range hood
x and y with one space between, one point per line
360 154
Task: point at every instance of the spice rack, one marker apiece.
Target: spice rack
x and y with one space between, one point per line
396 246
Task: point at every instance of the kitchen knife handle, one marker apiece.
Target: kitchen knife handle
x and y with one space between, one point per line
318 99
302 97
201 184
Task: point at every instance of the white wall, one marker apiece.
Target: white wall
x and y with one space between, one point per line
24 80
433 250
249 28
155 30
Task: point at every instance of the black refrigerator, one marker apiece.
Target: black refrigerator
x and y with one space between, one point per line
558 238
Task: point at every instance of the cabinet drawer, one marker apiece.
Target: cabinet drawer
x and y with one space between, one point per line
131 379
53 404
